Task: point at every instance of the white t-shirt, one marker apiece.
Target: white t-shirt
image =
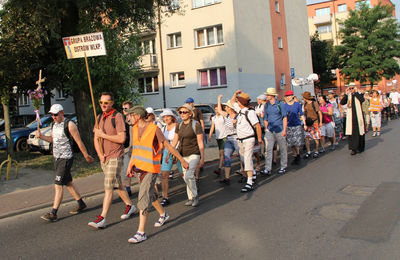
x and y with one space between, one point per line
243 128
169 135
394 96
219 126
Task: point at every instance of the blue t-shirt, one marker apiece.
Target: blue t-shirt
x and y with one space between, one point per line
274 115
294 112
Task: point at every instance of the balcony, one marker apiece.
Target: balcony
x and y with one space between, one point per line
149 62
322 19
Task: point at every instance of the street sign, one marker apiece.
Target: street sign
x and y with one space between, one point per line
83 46
292 74
91 44
282 83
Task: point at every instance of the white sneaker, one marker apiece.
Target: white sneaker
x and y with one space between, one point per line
161 220
374 134
100 222
129 210
378 133
137 238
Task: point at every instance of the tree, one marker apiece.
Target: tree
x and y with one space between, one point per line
370 44
42 25
324 60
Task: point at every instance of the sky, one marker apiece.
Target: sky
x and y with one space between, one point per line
397 5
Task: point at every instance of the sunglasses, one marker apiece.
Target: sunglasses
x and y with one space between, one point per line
125 108
104 102
183 112
54 115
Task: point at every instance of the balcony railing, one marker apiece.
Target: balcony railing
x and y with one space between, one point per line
149 62
322 19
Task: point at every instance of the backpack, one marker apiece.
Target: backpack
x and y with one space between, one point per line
246 115
278 105
179 144
309 121
193 126
127 135
72 143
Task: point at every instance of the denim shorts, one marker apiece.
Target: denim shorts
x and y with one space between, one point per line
166 167
231 145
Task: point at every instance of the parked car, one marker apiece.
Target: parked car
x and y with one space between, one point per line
208 111
36 144
20 135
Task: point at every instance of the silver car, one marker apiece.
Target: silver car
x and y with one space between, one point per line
208 112
36 144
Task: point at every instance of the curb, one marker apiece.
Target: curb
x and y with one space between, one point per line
87 195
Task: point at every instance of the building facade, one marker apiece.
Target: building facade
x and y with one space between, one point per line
25 106
218 46
324 16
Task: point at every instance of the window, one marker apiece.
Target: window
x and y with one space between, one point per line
209 36
174 40
323 11
280 43
342 8
60 94
215 77
368 2
200 3
175 4
177 79
283 79
148 85
23 100
324 28
277 6
148 46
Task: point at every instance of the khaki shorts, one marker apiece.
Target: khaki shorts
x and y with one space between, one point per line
246 148
147 193
112 173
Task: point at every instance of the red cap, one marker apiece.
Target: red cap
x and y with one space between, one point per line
289 93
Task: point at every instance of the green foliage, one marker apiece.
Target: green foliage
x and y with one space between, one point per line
324 59
370 44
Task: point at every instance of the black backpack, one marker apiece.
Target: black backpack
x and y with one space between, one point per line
248 121
127 135
73 144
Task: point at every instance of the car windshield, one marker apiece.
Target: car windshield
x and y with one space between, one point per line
157 112
43 120
205 109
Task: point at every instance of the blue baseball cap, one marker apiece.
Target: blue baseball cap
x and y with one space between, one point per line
189 100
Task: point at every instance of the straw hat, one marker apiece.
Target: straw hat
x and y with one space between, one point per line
228 104
307 95
271 92
187 106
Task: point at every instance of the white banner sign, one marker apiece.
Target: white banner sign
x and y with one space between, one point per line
92 44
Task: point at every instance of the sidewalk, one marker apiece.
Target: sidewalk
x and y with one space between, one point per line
25 200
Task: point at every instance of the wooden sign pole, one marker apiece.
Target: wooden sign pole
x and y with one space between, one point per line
93 104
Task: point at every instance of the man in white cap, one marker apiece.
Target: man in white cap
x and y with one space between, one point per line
63 133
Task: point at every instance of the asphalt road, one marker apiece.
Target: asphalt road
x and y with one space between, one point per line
308 213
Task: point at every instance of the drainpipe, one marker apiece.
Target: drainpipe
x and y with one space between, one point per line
161 57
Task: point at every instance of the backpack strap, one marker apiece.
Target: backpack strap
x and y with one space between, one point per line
99 117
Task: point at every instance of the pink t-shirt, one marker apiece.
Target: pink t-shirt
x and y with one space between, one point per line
326 118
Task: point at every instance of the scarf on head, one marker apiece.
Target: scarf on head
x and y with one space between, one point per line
349 119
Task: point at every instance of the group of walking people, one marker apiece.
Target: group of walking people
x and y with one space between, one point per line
139 146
